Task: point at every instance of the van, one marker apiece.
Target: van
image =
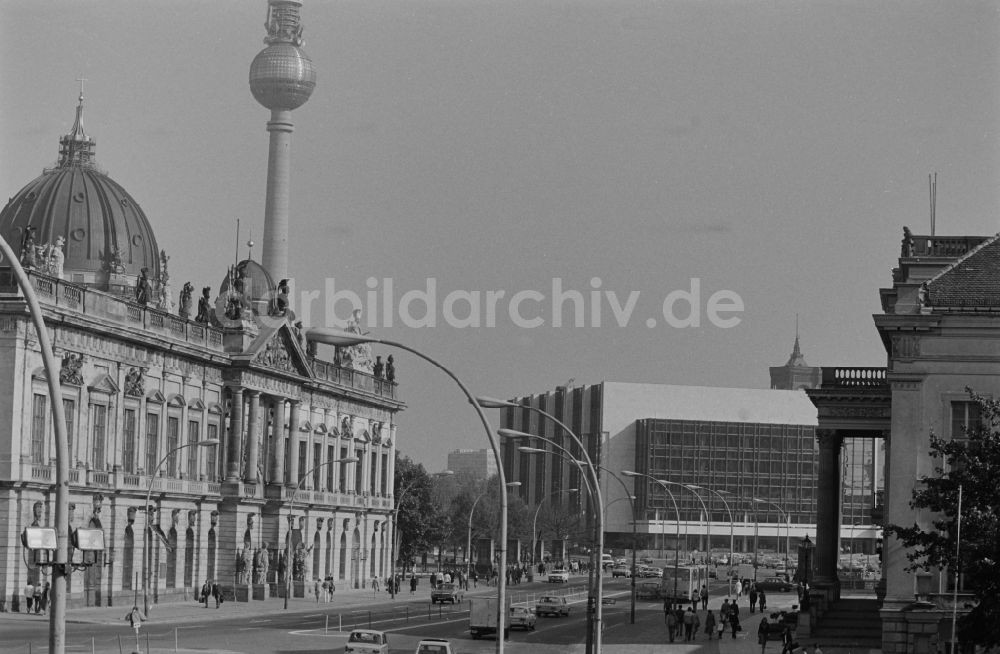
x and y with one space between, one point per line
607 561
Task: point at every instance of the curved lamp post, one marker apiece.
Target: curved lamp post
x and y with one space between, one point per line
708 522
677 536
788 526
468 540
635 519
291 517
732 524
340 338
57 610
148 536
596 600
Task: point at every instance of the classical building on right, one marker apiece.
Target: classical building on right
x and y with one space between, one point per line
940 325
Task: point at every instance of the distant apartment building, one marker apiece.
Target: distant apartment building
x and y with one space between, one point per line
478 464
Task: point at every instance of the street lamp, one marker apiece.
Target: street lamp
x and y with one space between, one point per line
732 525
635 519
677 536
57 614
788 526
291 517
396 532
149 527
340 338
594 603
468 541
534 521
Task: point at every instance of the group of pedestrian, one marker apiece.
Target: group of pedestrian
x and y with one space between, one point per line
211 589
36 597
324 589
756 595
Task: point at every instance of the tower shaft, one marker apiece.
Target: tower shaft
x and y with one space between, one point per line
276 208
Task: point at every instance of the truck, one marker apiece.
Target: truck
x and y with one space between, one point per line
483 617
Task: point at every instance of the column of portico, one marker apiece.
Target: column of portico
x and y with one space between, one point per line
828 508
278 443
235 436
250 474
293 444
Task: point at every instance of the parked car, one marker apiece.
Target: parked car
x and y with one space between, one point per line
434 646
366 641
774 584
558 577
446 593
650 571
647 590
621 571
551 605
522 616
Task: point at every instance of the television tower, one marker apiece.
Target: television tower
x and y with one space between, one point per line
282 77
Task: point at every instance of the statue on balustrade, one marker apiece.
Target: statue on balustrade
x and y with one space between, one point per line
28 248
205 306
54 258
186 301
143 288
378 367
907 246
390 369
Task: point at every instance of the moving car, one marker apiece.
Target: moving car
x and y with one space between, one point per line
551 605
446 593
434 646
621 571
366 641
651 572
558 576
774 584
522 616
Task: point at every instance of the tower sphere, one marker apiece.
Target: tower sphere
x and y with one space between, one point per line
282 77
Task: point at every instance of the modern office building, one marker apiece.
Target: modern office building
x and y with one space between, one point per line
144 380
940 325
744 444
478 464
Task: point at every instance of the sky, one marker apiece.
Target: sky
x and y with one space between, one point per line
693 174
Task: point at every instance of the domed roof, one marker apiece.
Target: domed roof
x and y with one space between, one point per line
96 216
257 282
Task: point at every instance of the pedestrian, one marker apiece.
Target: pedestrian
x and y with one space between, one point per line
434 580
734 619
762 630
206 590
753 598
318 588
709 624
704 597
375 583
475 578
696 623
38 598
29 596
413 584
671 619
788 644
739 589
45 598
688 623
762 600
217 594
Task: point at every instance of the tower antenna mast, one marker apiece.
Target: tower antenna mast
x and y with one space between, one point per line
933 190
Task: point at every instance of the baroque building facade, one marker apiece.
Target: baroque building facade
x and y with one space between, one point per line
244 439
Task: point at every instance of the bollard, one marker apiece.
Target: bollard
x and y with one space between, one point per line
369 619
340 623
175 640
120 650
326 629
93 646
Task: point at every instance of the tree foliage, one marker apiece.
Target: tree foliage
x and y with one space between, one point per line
972 464
416 513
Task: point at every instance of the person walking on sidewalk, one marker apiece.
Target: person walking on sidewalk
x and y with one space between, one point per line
318 589
206 592
753 598
762 600
413 583
29 596
44 599
217 594
704 597
710 624
688 623
38 598
671 620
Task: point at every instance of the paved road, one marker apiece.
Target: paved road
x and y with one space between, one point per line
309 628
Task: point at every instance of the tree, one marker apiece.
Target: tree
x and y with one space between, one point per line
415 518
972 464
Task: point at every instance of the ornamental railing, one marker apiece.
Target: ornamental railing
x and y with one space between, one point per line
854 378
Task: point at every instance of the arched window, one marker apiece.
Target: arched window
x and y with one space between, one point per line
342 572
128 551
189 555
172 558
211 553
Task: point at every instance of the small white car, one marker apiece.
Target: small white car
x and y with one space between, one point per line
434 646
366 641
558 577
522 616
551 605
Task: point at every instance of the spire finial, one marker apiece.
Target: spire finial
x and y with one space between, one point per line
81 79
250 244
76 148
